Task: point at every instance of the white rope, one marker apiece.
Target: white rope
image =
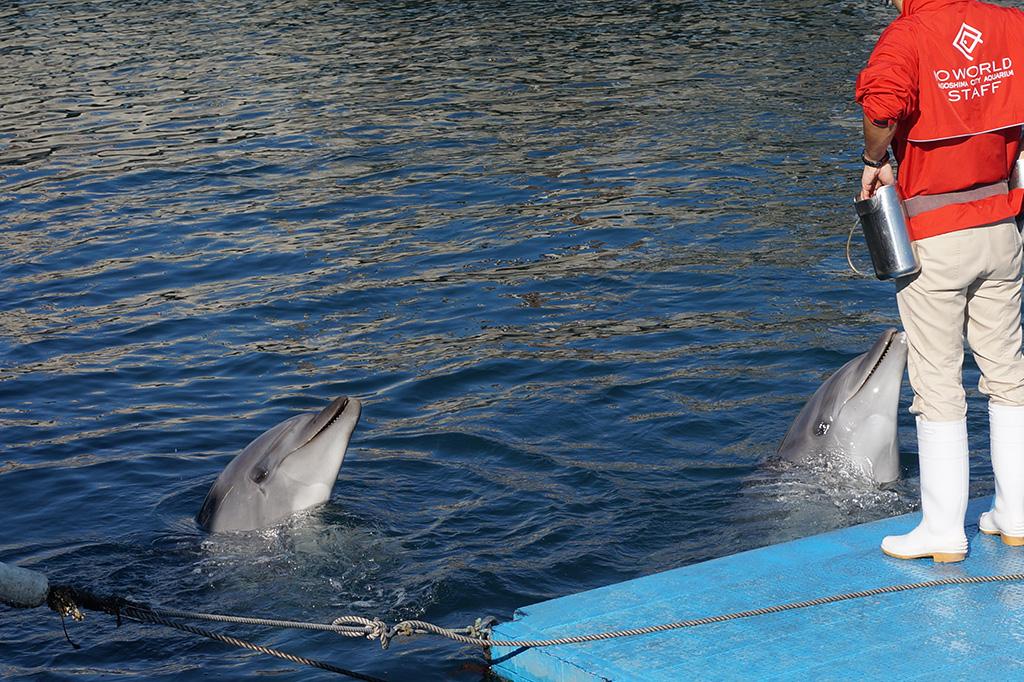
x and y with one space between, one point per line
849 240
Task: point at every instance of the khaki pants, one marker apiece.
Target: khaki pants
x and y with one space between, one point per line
969 285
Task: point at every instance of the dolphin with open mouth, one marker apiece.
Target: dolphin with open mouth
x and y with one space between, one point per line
854 413
291 467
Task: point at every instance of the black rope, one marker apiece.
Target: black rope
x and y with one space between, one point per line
149 617
64 625
68 601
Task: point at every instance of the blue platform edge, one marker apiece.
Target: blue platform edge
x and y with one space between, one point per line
960 630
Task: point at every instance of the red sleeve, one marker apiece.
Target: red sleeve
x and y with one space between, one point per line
887 87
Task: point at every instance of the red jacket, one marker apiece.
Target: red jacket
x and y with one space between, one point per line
950 73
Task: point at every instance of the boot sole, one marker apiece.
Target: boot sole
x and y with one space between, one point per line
937 557
1011 540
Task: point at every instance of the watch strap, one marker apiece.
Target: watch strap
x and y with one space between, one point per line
874 164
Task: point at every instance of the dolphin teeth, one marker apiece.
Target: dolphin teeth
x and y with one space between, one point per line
335 417
878 363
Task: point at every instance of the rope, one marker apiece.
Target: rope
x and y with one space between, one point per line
360 631
348 626
144 616
849 241
68 601
965 580
478 634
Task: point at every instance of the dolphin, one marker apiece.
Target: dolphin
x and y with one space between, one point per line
853 414
291 467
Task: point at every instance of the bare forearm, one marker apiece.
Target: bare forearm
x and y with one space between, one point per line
876 143
876 139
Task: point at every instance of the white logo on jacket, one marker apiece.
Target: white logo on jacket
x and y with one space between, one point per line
967 40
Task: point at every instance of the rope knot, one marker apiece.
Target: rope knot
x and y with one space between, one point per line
379 630
481 629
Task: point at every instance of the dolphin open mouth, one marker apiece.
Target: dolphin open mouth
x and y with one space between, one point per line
853 415
320 424
327 418
291 467
880 351
890 338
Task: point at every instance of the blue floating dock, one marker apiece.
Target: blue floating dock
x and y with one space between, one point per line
954 631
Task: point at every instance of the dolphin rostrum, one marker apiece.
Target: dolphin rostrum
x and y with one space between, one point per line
853 414
291 467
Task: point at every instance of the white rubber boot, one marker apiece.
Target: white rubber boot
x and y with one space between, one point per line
1006 424
942 453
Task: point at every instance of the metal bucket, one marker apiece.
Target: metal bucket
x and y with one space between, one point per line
1017 182
884 221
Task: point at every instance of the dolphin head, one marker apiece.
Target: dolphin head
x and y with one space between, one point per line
291 467
853 414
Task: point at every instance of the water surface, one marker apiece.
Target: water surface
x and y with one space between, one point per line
582 262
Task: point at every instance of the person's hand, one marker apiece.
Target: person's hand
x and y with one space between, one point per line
873 178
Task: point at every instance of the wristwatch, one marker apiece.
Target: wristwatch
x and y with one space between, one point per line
874 164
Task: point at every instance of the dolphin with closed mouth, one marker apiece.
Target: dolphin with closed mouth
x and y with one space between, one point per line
291 467
853 414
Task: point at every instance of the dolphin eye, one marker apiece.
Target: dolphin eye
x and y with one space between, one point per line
258 475
822 428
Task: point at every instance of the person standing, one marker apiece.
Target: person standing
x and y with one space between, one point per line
944 86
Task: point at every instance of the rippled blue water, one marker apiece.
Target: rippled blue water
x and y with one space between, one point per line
582 261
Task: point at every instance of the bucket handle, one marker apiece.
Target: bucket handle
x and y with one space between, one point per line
849 241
